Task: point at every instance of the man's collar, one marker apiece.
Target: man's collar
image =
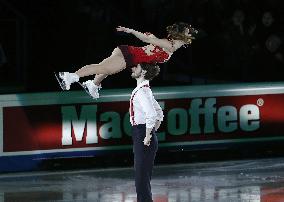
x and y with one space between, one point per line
145 82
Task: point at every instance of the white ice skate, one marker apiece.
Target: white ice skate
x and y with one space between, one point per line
65 79
91 88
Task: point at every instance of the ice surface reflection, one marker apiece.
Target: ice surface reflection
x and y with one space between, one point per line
244 181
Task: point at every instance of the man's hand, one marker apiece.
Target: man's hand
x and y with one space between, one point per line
147 140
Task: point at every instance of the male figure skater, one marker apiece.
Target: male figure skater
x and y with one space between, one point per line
146 116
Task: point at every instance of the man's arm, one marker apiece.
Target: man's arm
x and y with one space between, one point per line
160 114
145 100
157 125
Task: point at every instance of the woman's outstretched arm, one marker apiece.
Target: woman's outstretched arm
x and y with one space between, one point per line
163 43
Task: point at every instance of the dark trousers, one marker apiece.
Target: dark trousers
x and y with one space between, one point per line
144 157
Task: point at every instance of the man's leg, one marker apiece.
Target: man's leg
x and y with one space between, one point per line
141 166
151 155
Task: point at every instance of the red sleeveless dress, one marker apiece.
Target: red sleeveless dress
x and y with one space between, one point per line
147 54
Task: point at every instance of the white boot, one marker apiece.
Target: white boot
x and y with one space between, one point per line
67 79
91 88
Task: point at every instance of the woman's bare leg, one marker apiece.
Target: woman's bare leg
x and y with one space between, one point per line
111 65
99 78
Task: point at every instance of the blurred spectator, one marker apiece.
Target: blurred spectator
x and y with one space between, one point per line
271 59
236 47
266 47
266 27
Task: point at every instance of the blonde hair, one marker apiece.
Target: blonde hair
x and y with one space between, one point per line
177 32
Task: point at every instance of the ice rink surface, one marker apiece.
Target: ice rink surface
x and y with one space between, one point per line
223 181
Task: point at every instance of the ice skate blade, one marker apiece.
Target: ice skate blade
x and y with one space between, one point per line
60 81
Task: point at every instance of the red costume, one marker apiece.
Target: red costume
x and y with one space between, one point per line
146 54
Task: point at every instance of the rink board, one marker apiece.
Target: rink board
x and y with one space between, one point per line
40 126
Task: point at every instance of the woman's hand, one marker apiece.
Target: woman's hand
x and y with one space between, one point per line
124 29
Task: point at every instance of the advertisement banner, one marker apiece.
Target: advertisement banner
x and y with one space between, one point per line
193 115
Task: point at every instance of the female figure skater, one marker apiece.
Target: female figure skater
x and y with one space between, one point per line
124 56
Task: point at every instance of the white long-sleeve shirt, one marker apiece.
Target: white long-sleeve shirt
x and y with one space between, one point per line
144 109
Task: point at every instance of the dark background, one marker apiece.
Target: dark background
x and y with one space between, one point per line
39 37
